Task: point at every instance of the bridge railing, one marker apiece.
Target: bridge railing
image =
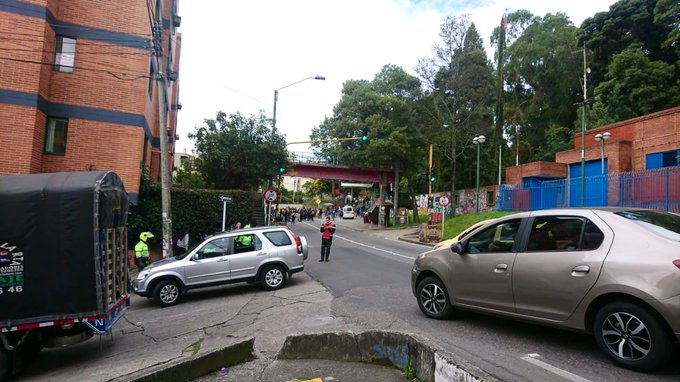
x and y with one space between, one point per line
310 157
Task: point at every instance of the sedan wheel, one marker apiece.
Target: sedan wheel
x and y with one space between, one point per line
632 336
167 293
273 278
433 299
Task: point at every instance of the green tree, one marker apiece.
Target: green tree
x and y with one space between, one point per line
317 187
460 100
635 85
239 152
644 23
542 72
634 53
188 175
386 107
667 15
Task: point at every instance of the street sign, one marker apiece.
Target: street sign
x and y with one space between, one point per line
444 201
271 195
318 201
226 199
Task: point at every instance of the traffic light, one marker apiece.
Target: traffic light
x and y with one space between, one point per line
433 174
364 134
282 169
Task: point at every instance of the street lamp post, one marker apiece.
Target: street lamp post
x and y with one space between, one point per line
601 138
478 141
276 95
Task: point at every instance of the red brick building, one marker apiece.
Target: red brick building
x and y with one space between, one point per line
644 143
637 165
78 87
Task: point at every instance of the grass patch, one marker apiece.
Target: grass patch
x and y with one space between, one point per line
454 226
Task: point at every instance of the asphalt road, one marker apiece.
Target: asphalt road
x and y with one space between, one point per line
369 276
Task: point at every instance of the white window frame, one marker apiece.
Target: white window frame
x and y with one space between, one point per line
64 54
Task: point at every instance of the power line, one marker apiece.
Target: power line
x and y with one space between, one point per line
114 74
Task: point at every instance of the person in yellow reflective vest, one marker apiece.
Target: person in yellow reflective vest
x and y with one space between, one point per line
142 250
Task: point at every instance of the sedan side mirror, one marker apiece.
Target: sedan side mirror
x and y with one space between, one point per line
457 248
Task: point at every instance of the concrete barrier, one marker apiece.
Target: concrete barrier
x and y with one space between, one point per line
397 349
194 366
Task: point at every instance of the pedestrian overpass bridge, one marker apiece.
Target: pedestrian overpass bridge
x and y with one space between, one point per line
307 165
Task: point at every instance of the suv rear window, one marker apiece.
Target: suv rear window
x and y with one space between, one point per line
278 238
662 223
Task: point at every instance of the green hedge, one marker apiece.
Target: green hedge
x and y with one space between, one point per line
197 211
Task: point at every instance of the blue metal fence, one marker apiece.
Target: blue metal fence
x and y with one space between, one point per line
656 189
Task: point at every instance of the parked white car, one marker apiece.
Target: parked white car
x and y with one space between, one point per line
347 212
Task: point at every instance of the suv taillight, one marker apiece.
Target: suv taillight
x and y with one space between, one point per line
677 263
298 242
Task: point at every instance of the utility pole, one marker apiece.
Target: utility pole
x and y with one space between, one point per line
166 214
583 128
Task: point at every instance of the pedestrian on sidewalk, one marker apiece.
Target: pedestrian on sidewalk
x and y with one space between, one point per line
327 230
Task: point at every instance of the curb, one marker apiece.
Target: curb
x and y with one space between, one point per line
415 241
392 348
374 347
194 366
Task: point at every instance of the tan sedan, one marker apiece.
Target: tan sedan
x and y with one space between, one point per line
612 272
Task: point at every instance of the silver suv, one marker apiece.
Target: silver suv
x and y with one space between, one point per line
269 255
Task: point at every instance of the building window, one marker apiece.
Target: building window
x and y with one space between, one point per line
490 200
55 136
664 159
65 54
456 200
151 79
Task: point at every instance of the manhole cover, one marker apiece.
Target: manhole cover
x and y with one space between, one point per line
313 321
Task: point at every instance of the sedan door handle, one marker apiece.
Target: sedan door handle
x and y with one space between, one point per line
261 254
222 260
500 268
580 270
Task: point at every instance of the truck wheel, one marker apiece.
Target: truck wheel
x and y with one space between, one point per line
273 277
4 365
167 293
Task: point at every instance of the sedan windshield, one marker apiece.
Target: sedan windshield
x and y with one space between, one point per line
662 223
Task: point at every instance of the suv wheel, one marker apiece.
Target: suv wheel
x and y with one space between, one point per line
273 277
433 299
167 293
632 336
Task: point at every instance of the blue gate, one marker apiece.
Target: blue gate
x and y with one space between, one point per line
595 184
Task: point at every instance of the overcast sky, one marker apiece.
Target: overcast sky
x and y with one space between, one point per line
235 53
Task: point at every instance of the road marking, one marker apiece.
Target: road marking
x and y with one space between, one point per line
370 246
532 359
376 248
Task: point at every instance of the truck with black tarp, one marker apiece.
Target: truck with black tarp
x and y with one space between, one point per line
63 260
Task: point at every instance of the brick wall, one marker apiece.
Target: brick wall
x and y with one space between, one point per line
100 146
656 132
514 174
19 136
108 77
